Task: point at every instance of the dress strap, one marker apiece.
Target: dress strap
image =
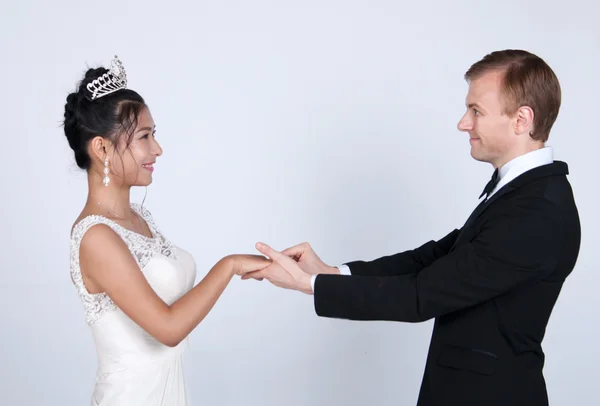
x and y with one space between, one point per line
96 304
77 236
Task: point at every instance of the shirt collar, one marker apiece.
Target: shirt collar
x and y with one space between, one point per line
522 164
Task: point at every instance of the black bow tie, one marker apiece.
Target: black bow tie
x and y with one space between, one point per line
491 184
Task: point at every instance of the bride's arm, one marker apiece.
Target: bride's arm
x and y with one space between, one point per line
106 261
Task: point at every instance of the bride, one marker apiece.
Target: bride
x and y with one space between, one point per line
136 286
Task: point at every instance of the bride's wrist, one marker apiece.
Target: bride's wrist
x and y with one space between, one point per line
229 265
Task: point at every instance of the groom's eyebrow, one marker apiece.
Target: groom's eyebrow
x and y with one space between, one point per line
478 107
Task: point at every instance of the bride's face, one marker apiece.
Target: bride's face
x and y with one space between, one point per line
133 164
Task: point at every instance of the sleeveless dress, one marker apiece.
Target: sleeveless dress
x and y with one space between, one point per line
134 369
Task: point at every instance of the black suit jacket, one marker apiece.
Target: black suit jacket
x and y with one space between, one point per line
490 286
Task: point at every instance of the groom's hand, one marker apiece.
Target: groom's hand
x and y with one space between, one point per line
284 272
308 260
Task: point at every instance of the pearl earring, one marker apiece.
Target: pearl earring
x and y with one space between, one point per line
106 179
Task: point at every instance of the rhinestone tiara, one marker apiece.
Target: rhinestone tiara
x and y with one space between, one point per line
113 80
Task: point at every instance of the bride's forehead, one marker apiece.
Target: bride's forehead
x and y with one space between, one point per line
145 119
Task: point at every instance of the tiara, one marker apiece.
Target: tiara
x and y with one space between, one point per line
113 80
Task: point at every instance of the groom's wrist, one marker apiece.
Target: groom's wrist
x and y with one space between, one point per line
306 284
331 270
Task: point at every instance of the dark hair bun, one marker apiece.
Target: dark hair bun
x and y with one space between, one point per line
85 119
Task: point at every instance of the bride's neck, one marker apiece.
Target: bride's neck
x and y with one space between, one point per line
111 199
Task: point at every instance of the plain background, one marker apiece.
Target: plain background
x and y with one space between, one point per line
327 121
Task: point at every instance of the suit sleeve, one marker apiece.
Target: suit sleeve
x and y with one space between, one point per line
509 251
406 262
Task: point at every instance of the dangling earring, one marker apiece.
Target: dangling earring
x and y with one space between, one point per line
106 179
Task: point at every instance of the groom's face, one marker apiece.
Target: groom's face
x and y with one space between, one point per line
491 131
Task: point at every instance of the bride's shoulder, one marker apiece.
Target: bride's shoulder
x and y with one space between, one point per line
84 218
86 221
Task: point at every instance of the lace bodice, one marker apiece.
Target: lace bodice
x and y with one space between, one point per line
142 249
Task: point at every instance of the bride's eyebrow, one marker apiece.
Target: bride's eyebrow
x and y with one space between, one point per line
145 129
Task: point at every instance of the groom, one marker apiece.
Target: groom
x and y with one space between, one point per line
490 285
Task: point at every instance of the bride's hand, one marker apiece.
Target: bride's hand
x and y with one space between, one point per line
243 263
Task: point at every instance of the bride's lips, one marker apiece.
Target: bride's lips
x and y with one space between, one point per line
149 166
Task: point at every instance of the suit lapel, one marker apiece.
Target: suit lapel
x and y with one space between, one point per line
482 207
504 190
553 169
557 168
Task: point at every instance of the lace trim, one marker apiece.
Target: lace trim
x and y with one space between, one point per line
141 247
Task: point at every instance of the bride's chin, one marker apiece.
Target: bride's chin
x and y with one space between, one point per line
145 182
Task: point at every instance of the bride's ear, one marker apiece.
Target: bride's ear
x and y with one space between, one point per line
99 148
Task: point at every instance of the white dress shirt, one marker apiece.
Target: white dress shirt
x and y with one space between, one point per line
506 173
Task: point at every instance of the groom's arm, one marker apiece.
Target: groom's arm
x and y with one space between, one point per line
506 254
406 262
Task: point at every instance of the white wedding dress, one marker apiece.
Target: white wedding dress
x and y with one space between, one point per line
134 369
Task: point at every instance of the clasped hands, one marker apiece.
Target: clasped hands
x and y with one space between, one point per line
291 268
